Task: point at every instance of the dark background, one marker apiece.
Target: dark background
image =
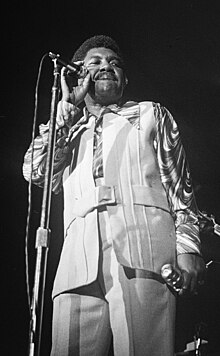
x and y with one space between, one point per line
173 55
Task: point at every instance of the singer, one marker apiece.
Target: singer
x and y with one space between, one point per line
129 209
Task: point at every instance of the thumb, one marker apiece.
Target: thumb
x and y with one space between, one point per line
81 90
64 85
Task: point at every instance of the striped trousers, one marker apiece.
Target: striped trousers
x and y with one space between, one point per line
133 309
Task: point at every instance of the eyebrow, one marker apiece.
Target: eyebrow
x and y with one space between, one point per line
109 57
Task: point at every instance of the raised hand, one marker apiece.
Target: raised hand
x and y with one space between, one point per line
76 94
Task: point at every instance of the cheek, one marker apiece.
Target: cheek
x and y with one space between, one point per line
93 73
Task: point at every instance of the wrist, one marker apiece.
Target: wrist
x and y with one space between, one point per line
66 113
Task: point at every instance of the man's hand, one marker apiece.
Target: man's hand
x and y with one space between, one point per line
77 94
193 269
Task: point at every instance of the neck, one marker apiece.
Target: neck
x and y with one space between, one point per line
95 107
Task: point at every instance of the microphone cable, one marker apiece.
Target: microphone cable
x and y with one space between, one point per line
29 209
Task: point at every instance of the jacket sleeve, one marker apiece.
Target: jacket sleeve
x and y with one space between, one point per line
35 158
176 179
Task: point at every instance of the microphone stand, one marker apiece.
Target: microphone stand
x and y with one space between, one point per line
43 232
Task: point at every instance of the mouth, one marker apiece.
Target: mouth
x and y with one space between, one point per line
106 76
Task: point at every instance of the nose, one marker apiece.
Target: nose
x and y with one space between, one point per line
106 66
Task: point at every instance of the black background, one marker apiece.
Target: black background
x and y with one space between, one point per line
172 50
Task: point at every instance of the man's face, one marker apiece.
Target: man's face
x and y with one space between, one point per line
107 75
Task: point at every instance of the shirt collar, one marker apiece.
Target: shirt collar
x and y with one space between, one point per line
130 110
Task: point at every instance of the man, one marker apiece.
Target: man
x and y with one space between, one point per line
128 210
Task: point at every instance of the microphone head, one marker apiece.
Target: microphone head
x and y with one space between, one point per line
71 67
172 276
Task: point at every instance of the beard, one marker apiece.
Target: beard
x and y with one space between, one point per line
106 92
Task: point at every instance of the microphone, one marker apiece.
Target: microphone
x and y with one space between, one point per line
172 277
72 67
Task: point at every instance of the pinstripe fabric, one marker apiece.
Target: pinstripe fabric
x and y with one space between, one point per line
134 311
80 326
128 112
173 167
121 302
97 149
143 236
167 152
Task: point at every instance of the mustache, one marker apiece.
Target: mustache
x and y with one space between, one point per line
105 75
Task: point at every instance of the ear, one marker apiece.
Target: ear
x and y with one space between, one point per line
125 80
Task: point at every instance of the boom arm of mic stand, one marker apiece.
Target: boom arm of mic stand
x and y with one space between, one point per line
43 232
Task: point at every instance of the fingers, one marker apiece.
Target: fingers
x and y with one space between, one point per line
193 269
75 94
82 89
191 284
79 63
186 287
63 75
86 81
64 85
76 72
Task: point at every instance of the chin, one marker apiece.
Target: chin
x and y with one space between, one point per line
107 97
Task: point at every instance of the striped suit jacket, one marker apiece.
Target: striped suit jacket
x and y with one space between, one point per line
148 222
